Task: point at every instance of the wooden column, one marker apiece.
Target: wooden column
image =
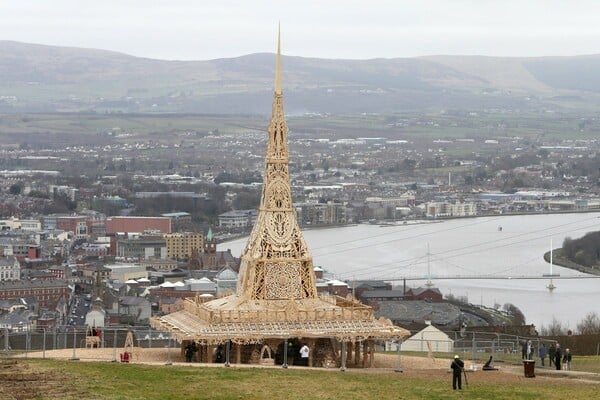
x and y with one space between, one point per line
365 353
371 352
210 349
238 353
312 347
357 353
350 346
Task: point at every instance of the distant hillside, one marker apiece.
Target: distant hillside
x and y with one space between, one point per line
48 78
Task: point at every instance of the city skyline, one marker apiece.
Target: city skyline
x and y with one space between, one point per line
187 30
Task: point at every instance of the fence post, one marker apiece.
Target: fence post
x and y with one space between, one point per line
169 352
74 358
27 333
399 368
44 345
473 348
114 345
6 342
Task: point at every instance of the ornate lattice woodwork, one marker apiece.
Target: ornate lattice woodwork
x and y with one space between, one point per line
276 294
276 263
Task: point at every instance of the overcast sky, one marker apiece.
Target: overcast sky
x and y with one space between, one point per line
356 29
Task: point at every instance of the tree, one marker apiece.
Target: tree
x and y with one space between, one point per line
554 329
409 164
516 315
589 325
246 200
15 189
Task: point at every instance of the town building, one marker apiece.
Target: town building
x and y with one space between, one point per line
184 245
10 268
180 221
141 247
158 225
445 209
74 223
31 225
316 214
212 259
47 292
237 219
125 272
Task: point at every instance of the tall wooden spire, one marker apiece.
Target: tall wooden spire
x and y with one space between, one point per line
278 64
276 263
276 294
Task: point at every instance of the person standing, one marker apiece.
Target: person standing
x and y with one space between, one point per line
529 350
557 356
304 353
551 355
542 353
457 370
567 359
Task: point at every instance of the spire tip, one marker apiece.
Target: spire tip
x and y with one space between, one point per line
278 62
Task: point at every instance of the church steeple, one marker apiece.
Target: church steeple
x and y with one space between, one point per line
276 263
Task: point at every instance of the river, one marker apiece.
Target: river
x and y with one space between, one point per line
466 247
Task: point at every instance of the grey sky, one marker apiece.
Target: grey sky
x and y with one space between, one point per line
357 29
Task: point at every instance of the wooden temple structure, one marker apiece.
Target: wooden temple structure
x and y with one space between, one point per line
276 308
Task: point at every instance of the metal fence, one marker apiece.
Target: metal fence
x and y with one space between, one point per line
39 343
476 346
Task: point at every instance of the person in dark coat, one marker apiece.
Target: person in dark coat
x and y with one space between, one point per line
189 352
551 354
457 370
488 366
558 356
542 351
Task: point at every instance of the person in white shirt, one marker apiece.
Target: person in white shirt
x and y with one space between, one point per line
304 353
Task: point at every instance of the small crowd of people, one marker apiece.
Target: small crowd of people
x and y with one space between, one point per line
191 349
555 355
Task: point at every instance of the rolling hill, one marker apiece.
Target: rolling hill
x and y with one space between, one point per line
39 78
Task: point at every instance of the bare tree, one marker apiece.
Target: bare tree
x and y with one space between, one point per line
589 325
555 328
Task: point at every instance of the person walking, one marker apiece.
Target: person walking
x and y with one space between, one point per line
457 370
529 350
304 353
558 356
542 353
551 355
567 359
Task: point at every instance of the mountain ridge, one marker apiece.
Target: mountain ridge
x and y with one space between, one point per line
36 77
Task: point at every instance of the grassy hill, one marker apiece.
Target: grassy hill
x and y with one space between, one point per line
46 379
48 78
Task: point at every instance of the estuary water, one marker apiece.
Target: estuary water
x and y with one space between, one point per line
506 247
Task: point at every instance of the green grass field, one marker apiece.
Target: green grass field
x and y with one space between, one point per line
46 379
